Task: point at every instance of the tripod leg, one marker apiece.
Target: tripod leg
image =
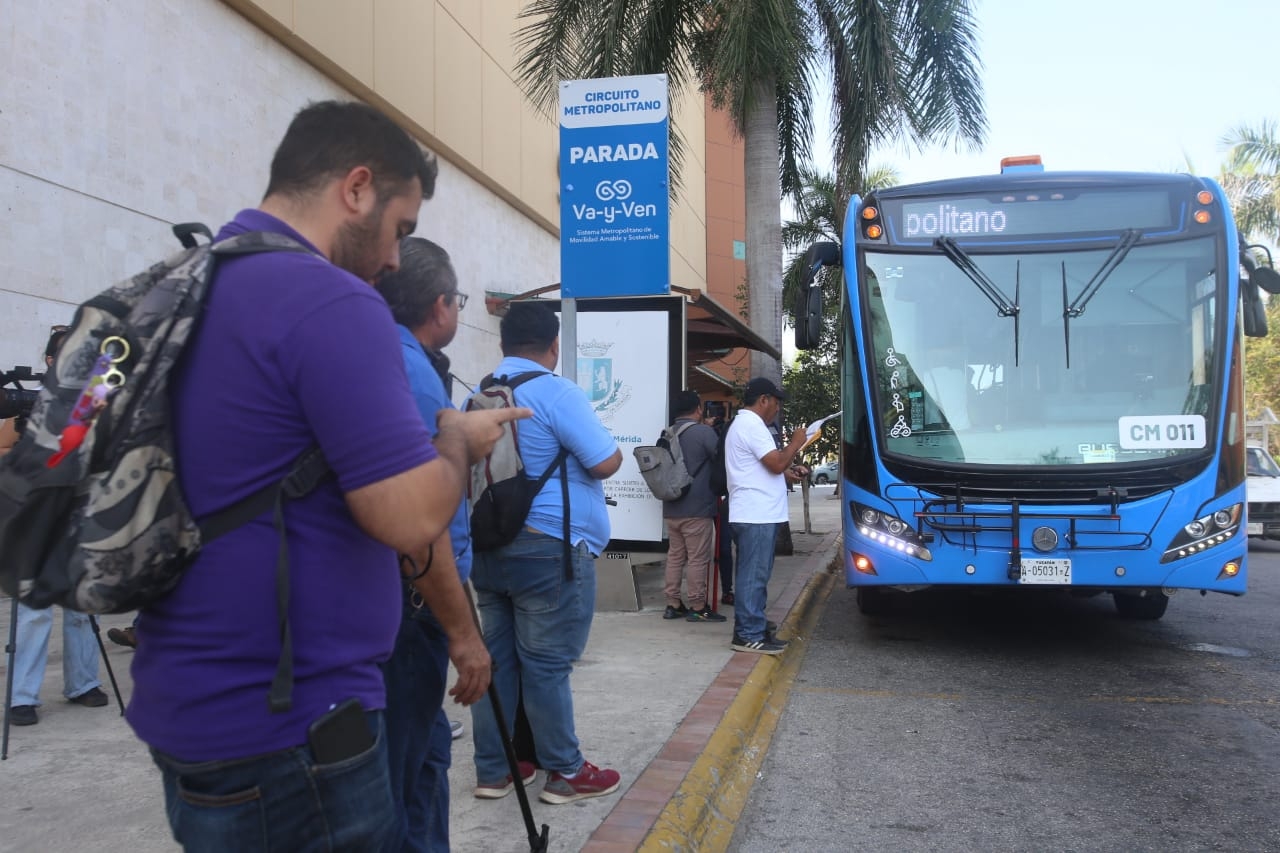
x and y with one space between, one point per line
97 634
11 649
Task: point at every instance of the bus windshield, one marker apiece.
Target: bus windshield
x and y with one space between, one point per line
1085 368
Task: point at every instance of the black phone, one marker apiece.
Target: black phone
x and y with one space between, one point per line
341 733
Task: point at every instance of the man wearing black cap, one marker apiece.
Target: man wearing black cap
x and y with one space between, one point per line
758 472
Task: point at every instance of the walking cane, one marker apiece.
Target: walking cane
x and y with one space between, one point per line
537 842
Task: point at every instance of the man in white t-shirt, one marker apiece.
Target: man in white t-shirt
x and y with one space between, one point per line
758 471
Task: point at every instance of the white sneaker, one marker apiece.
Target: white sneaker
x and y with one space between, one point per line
456 729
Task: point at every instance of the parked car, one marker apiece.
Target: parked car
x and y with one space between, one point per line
1263 488
827 472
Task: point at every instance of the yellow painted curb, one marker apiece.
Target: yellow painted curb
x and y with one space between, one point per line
703 812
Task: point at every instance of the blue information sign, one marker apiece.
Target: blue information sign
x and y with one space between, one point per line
614 213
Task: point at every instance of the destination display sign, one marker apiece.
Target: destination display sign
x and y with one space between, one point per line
1031 213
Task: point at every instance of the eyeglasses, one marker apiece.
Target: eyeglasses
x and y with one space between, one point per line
460 298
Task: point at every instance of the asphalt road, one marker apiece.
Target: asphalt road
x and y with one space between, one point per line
1031 723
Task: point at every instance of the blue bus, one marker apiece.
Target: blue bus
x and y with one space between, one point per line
1042 384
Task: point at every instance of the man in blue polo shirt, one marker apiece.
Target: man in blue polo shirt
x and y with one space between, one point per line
424 300
296 350
536 610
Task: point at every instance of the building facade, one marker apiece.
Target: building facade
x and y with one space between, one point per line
119 119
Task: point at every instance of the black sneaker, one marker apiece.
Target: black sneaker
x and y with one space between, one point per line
770 627
675 612
126 637
760 647
727 598
23 715
91 698
706 614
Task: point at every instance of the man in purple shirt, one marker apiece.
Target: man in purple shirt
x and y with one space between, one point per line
296 350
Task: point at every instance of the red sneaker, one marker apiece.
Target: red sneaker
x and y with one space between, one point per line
498 790
590 781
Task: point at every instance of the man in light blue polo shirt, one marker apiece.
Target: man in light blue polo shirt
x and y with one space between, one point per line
536 610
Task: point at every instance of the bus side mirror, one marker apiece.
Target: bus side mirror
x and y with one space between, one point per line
808 315
1266 278
808 307
1255 313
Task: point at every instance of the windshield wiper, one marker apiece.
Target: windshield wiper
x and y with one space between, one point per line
1128 239
965 264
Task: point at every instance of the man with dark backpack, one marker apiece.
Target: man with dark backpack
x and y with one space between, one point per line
294 351
536 605
690 518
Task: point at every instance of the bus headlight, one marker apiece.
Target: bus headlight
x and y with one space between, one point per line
1203 533
890 531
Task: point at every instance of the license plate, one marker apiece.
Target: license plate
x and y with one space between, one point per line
1045 571
1255 528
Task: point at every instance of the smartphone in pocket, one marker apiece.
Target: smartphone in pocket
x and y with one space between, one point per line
340 733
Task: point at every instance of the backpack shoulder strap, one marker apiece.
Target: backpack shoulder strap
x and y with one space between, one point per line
680 431
306 474
564 498
256 242
519 379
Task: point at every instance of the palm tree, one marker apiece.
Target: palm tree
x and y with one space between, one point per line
819 207
900 68
1251 179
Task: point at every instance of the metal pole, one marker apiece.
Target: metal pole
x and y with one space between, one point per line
569 339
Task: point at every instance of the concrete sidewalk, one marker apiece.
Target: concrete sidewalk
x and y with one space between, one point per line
649 695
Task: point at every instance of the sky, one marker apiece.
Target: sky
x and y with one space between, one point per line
1141 85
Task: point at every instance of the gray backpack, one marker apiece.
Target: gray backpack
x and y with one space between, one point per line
662 465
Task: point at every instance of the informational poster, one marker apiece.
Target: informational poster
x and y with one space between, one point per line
623 366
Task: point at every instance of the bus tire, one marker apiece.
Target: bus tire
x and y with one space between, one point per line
872 601
1149 606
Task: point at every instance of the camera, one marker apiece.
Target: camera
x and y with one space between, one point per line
17 402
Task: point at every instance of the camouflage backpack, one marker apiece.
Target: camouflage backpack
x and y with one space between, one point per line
92 516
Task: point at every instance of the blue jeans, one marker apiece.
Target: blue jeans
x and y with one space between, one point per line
31 654
755 566
536 625
281 801
419 743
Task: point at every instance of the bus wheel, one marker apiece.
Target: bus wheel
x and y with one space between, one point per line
872 601
1149 606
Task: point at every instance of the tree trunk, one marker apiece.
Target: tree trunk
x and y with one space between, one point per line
764 225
